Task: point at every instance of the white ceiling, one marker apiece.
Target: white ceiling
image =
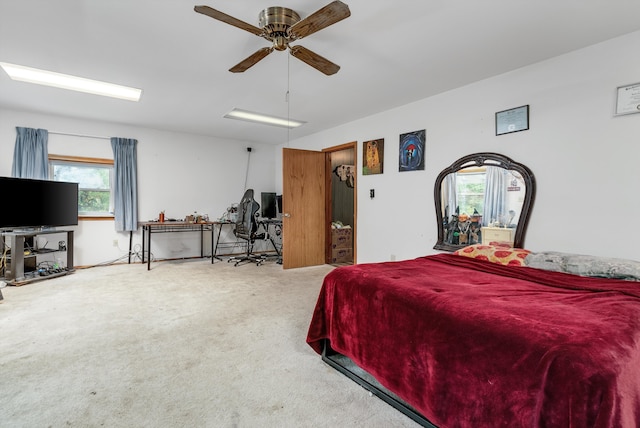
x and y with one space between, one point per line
391 53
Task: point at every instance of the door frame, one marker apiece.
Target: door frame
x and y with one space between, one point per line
328 198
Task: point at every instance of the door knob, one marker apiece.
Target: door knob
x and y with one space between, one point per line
286 215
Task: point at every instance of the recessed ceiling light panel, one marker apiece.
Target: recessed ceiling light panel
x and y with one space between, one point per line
265 119
73 83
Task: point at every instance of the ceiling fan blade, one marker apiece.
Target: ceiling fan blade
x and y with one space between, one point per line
220 16
251 60
314 60
322 18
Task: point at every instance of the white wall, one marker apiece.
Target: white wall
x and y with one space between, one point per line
177 173
583 157
585 160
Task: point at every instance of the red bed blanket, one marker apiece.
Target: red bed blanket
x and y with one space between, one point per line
470 343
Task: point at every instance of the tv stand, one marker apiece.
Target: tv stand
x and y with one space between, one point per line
14 273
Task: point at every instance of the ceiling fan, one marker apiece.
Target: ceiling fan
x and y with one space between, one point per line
282 26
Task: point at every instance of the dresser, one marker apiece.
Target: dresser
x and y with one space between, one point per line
498 234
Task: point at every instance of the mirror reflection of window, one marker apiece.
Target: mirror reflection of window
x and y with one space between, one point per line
492 192
483 197
470 186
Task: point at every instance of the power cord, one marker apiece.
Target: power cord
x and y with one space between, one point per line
136 253
246 176
3 259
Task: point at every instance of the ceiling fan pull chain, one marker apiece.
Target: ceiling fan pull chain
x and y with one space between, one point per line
287 97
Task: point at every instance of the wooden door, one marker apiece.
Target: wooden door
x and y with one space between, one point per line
303 201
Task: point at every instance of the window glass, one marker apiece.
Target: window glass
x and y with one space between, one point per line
94 184
470 189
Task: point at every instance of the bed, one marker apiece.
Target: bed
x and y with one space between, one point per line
458 341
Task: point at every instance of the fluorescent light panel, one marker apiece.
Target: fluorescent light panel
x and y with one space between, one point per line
73 83
265 119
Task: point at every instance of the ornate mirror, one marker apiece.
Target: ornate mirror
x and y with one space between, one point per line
482 198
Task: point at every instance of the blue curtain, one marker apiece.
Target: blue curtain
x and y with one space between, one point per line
125 187
449 195
30 154
494 196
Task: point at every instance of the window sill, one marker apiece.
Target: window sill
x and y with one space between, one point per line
95 218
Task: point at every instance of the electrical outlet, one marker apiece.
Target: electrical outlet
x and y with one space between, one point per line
115 242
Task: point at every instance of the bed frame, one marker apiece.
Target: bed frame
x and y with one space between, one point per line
348 368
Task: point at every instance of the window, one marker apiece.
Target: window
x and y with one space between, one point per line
471 186
94 177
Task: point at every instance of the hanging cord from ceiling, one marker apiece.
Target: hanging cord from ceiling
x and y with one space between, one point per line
288 98
246 174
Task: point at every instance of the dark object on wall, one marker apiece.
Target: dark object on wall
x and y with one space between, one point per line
38 203
512 120
412 147
373 157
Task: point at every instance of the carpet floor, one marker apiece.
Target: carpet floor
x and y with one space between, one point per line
186 344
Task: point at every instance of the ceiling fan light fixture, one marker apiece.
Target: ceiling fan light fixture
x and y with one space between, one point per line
73 83
265 119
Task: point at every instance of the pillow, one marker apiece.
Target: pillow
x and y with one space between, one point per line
502 244
583 265
549 260
495 253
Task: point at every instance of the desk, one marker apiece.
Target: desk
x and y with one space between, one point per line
273 228
171 227
219 225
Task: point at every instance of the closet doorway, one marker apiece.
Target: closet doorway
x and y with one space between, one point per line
315 196
341 196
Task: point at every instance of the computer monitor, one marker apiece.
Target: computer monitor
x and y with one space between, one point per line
279 206
268 207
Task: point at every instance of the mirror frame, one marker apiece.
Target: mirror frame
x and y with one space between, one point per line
486 159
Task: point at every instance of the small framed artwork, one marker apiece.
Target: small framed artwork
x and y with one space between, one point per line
512 120
628 99
412 151
373 157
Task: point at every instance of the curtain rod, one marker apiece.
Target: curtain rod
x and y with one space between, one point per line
80 135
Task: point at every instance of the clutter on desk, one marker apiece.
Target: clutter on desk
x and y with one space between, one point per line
191 218
196 218
231 214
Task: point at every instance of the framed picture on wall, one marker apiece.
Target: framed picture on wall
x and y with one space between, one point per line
628 99
411 151
373 157
512 120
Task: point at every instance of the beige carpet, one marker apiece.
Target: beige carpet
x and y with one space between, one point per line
187 344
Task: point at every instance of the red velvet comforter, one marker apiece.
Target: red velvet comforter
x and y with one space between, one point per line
470 343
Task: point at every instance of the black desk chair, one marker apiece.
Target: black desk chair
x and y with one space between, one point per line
246 228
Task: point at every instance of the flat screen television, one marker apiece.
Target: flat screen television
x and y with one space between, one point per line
268 204
31 203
